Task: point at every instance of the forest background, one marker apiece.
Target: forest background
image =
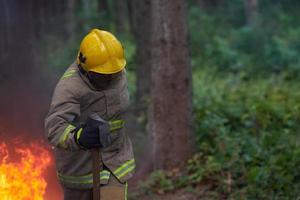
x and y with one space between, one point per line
243 63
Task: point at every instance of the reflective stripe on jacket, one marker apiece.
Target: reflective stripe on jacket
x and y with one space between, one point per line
87 179
74 99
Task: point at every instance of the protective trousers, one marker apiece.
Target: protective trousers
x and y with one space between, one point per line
114 190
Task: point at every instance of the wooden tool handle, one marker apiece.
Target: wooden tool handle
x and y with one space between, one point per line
96 156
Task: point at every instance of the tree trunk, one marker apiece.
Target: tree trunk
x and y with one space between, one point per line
86 4
251 10
211 4
5 19
70 18
121 16
170 111
21 31
103 5
37 16
140 22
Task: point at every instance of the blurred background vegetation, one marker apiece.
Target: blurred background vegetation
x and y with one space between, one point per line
246 97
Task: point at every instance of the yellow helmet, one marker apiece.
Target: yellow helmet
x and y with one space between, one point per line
101 52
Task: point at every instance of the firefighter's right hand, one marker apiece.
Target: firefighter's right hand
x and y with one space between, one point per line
95 133
87 137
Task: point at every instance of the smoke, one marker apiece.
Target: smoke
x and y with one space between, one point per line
24 89
23 98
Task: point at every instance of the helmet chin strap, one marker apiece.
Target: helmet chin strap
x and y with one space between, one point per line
82 71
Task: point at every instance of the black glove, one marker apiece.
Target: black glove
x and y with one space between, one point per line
94 134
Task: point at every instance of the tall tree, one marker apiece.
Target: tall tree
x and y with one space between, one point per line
170 110
251 10
121 16
140 22
207 4
103 6
87 14
38 18
18 37
70 18
140 26
5 20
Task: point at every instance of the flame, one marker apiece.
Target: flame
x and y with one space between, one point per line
23 178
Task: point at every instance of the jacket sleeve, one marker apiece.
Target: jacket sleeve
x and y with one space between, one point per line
59 123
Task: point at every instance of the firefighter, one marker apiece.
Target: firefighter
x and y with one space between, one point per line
94 85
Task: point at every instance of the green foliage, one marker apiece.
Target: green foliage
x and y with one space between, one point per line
222 39
158 182
248 129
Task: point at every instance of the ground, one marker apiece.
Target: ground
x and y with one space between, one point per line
203 192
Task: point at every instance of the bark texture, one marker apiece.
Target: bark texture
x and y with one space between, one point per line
86 4
170 112
103 6
121 16
140 22
207 4
69 18
5 20
251 10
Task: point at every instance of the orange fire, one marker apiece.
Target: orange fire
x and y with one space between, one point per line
22 171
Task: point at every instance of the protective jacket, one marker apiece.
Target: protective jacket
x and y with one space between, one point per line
74 99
